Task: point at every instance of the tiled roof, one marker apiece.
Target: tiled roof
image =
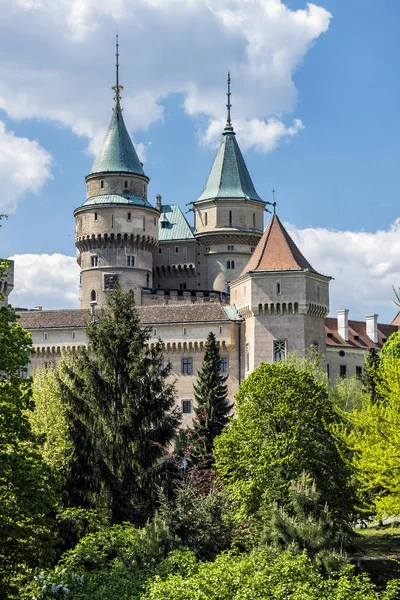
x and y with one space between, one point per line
117 153
117 199
229 177
276 251
207 312
396 320
357 334
173 224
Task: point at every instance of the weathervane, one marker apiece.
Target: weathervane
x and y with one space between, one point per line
117 88
229 105
273 203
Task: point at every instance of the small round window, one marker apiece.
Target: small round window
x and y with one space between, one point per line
342 353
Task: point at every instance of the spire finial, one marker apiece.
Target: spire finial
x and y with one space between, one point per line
229 105
117 88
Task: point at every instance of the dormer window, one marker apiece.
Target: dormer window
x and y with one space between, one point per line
102 184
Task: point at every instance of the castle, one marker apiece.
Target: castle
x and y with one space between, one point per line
252 287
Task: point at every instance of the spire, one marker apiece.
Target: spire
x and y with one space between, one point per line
229 177
117 153
276 251
117 88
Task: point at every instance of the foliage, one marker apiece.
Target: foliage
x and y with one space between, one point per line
48 419
259 576
371 377
212 408
306 525
347 393
75 523
391 348
120 413
313 362
374 439
26 486
198 516
281 430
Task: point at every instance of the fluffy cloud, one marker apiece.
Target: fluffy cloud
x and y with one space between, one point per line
365 266
24 168
167 46
48 280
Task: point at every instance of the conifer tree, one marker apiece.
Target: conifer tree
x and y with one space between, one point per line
120 410
212 408
371 377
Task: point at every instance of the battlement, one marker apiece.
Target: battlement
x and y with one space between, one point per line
150 297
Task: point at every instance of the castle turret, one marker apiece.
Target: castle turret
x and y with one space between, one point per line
283 299
229 214
116 226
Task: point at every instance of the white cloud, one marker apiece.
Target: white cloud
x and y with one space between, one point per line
167 47
364 266
48 280
24 168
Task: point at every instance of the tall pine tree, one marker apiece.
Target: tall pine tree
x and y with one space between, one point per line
121 415
212 408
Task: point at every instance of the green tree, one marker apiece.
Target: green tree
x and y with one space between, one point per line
392 346
281 430
26 486
120 413
212 407
371 376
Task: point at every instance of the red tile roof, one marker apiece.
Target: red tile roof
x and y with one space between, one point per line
357 334
276 251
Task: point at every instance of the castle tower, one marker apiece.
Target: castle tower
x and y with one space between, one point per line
116 227
229 214
283 299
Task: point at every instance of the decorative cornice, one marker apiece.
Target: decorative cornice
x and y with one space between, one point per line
120 240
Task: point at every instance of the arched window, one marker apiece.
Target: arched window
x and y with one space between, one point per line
230 218
232 264
126 184
93 296
205 219
228 264
102 184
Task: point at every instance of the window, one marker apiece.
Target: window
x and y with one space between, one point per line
182 286
220 329
278 288
205 219
110 281
187 366
164 224
185 254
73 335
343 370
231 248
207 249
95 216
22 373
159 250
176 249
186 407
232 264
130 261
328 371
252 249
342 353
254 219
45 335
94 260
112 221
125 184
144 223
184 331
358 372
168 254
224 364
93 296
102 184
155 221
228 264
129 216
155 332
279 350
230 217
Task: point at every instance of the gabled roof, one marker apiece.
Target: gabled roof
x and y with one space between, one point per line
117 153
276 251
117 199
358 337
229 177
173 224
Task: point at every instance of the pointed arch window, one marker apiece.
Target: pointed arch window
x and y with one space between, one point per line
93 296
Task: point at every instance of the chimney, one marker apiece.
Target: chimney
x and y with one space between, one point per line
372 327
93 310
158 202
38 308
343 323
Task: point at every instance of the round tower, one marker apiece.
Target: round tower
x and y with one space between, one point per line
229 214
116 228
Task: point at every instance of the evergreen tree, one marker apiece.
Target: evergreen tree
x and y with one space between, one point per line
120 410
212 408
371 378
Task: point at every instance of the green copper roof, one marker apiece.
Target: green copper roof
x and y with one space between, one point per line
117 153
117 199
173 225
229 177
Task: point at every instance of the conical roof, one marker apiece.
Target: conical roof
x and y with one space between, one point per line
276 251
117 153
229 176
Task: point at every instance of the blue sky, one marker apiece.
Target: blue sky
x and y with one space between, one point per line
315 104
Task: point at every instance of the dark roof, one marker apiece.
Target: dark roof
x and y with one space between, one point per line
276 251
166 313
357 334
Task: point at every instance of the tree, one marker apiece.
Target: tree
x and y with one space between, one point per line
120 413
392 346
281 430
212 408
371 377
27 494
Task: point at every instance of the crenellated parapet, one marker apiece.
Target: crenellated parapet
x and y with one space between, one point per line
89 243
